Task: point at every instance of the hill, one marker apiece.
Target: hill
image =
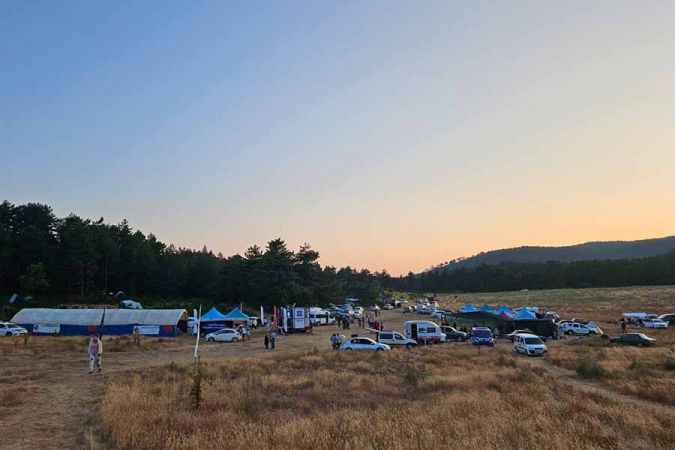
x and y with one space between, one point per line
580 252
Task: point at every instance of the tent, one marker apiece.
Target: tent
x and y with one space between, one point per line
81 322
488 309
213 315
525 314
467 308
236 316
505 311
212 321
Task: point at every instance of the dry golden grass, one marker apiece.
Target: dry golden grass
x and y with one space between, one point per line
642 372
433 397
39 345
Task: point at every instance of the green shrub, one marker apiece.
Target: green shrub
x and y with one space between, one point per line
589 368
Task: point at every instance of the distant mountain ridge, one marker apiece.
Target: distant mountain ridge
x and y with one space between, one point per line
579 252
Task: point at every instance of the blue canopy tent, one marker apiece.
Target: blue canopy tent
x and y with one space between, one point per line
236 317
505 311
467 308
525 314
212 321
487 309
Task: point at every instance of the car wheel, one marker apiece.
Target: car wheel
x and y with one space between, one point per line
569 332
408 346
211 339
378 349
348 349
9 333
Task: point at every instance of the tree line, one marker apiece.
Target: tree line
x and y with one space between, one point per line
77 259
654 270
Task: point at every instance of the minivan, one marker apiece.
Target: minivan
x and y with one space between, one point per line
529 344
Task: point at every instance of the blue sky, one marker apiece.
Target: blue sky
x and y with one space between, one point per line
387 134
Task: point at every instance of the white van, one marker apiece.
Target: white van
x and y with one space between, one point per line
424 331
529 344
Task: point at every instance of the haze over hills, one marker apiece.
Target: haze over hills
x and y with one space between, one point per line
579 252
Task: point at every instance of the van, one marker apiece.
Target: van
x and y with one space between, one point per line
529 344
395 339
423 332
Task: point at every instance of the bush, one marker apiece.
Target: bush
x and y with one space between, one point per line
669 363
588 368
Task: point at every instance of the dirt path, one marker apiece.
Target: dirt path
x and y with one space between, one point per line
570 378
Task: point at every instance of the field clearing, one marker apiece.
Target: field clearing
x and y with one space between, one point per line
647 373
306 396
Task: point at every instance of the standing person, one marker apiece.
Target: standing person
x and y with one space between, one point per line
95 351
623 326
137 336
267 341
273 340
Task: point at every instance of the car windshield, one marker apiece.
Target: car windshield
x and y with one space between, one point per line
482 333
642 336
533 341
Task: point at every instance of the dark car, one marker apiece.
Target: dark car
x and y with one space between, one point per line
452 334
638 339
670 318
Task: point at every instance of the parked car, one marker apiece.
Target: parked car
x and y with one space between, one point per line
423 331
11 329
452 334
395 339
388 306
438 314
482 336
638 339
654 323
224 335
669 318
513 334
529 344
363 343
579 329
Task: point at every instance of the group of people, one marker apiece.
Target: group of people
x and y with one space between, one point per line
271 340
336 340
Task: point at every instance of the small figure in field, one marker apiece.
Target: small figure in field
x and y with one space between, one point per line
95 351
334 341
273 340
137 337
623 325
267 341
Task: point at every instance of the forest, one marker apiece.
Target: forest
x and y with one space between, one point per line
509 276
73 259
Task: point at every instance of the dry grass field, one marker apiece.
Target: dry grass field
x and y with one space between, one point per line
644 372
306 396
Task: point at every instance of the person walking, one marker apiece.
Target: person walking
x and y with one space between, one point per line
623 326
267 341
95 351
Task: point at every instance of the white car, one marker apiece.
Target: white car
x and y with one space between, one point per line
388 307
363 343
529 344
579 329
654 323
224 335
11 329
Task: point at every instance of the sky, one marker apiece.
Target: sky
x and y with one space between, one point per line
387 134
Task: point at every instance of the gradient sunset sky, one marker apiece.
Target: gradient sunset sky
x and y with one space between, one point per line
388 134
